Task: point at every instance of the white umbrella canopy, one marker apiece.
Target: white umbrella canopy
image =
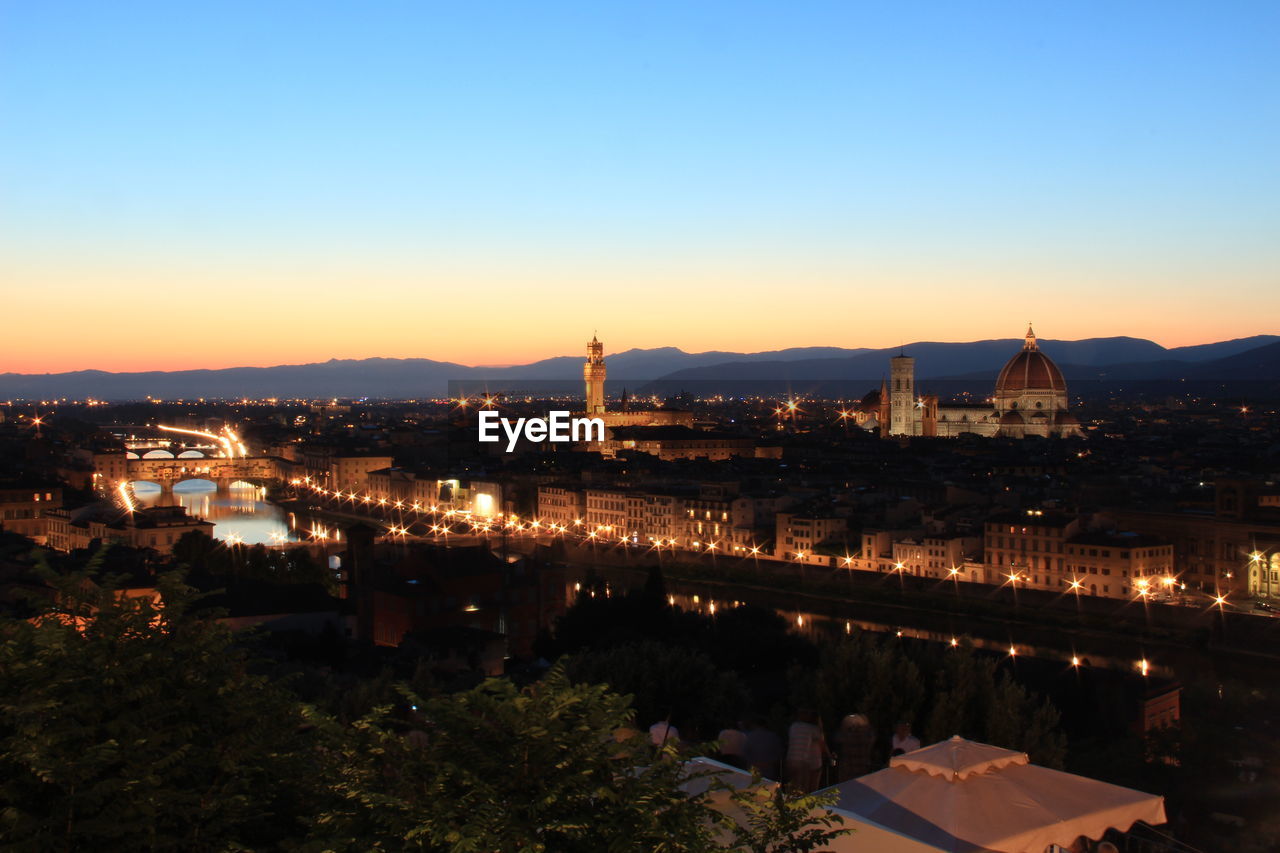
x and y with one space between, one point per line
866 835
967 797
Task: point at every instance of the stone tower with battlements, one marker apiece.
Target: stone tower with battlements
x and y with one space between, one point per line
593 374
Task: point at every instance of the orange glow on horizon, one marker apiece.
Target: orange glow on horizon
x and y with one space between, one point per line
111 311
516 349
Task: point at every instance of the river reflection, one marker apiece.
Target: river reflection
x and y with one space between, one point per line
710 601
239 512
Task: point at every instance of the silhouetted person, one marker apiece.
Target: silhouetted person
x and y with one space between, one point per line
762 749
662 732
733 744
903 740
855 741
806 750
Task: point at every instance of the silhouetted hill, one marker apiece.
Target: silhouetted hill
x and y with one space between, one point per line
643 364
933 360
1222 349
1257 357
1258 364
369 377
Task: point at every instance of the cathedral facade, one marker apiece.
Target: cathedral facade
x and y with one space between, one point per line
1030 399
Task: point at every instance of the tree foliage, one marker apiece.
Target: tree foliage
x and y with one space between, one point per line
127 724
783 821
943 694
555 766
667 683
208 557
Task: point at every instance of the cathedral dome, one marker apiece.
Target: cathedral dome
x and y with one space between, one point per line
1030 370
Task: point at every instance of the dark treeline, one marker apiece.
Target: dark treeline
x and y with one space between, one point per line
142 722
126 724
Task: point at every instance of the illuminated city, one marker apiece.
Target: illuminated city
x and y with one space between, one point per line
686 428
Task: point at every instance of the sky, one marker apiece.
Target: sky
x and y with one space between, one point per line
249 183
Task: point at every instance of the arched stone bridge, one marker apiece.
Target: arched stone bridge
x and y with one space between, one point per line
167 472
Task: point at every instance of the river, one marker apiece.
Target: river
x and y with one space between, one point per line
240 512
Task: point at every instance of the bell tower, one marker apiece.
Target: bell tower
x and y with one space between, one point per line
593 374
902 396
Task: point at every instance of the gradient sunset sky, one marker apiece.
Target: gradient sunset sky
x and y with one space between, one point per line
206 185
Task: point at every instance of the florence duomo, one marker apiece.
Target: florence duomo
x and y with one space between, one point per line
1030 400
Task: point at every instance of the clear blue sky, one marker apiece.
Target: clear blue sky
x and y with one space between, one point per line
421 178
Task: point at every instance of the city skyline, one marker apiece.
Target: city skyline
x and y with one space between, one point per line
760 416
256 186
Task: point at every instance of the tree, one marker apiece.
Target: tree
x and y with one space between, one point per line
209 559
779 821
132 724
969 696
973 699
866 674
668 683
553 767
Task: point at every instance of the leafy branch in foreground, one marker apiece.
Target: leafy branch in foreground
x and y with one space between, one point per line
781 821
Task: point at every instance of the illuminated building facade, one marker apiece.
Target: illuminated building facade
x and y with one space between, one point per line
1045 550
157 528
1030 399
1235 549
23 507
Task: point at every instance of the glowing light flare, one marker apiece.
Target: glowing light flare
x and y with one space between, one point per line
214 437
126 494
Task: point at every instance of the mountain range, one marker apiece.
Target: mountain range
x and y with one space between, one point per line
1114 358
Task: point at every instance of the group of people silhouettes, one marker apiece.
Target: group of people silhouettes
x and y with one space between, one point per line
801 758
